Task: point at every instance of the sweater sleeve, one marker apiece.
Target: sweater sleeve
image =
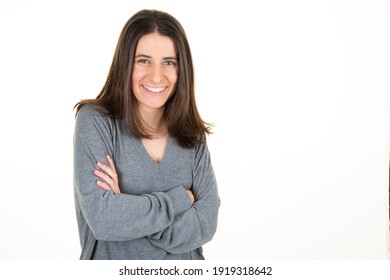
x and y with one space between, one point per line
196 226
110 216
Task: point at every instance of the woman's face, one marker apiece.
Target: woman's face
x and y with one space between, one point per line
155 71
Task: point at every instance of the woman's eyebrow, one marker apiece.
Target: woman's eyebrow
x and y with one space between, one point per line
143 55
170 58
164 58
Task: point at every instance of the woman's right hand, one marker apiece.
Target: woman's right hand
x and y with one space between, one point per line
191 195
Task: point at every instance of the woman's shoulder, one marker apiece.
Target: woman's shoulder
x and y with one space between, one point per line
92 109
200 146
92 113
92 119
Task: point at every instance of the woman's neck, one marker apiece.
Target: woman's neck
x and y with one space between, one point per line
153 120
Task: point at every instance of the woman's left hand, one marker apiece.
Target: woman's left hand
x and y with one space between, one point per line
109 176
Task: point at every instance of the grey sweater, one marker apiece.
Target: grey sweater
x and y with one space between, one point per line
153 217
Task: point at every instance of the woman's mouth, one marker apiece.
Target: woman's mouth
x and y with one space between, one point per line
154 89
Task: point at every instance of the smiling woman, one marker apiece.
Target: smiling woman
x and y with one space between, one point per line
154 71
144 183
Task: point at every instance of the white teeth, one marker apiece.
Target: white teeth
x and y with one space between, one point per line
155 90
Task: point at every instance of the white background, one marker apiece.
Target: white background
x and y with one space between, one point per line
298 92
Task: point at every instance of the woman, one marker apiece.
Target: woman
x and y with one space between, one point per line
144 183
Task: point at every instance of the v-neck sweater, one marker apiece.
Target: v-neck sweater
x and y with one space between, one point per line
152 217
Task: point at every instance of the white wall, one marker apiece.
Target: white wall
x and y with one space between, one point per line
299 93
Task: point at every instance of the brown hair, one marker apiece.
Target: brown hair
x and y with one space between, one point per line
116 97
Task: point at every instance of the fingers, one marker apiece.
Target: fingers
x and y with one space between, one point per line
103 185
108 174
104 176
111 162
108 169
191 195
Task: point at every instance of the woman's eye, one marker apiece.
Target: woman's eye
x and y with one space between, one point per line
145 61
171 63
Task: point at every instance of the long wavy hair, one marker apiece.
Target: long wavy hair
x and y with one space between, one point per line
116 97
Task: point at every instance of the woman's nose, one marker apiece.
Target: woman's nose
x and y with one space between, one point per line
156 74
